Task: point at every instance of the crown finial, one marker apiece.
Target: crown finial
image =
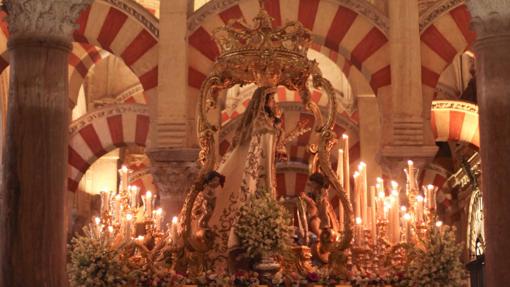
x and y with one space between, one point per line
263 53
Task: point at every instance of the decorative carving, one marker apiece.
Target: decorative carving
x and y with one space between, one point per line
431 14
107 111
44 19
144 17
361 7
173 178
489 17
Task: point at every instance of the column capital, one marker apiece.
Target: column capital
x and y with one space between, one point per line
43 19
489 17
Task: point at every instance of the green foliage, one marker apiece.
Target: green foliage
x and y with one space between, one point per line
436 263
264 227
93 263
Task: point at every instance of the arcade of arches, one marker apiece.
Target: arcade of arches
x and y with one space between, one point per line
105 83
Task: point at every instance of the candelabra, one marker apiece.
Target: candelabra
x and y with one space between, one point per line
128 216
388 222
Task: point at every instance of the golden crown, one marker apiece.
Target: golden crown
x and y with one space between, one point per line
262 53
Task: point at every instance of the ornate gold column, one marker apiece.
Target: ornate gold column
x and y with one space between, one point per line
32 223
491 21
406 114
172 118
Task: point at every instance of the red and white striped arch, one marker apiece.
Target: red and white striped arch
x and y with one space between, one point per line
123 32
447 35
99 132
81 59
336 27
455 121
123 28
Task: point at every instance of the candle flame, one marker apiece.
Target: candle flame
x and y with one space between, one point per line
129 217
407 217
175 220
345 136
439 223
420 198
379 180
394 184
97 220
124 168
381 194
358 220
140 238
110 229
356 174
430 187
159 211
410 162
403 208
148 194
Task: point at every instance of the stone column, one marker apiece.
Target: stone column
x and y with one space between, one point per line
32 223
406 116
172 156
491 21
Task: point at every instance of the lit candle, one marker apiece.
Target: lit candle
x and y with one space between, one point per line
373 220
117 204
357 196
394 213
346 167
419 208
407 226
173 229
124 178
411 177
431 197
340 175
359 231
340 166
148 203
127 230
98 226
364 194
158 218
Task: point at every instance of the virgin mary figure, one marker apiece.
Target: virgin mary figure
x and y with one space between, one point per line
248 166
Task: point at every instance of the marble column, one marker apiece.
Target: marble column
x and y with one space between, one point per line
32 223
491 21
171 151
405 113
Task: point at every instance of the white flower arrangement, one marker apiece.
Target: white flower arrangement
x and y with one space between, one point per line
263 227
437 262
94 263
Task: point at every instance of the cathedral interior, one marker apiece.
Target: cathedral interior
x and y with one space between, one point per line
91 87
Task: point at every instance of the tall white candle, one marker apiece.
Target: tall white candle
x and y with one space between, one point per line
124 178
364 194
419 208
128 226
148 203
357 195
346 167
340 175
373 220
